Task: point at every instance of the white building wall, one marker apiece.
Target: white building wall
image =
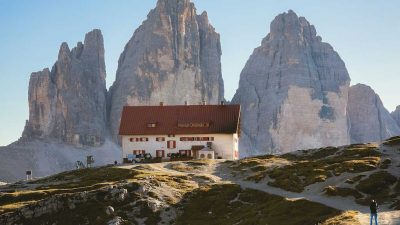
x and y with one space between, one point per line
224 145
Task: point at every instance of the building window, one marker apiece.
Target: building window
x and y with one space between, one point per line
187 153
151 125
160 153
138 152
187 138
142 139
197 139
193 124
160 139
171 144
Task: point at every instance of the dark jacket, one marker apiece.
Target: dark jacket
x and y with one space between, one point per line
373 207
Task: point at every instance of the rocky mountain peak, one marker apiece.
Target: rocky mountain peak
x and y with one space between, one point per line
396 115
173 57
293 75
64 52
291 27
203 18
175 7
369 119
68 103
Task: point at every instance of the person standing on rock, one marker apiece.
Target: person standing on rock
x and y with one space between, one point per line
374 211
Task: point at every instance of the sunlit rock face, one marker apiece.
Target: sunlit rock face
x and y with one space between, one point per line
293 91
68 103
369 119
173 57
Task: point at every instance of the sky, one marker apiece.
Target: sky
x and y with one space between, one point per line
365 33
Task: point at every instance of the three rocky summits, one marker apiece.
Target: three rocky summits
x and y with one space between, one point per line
294 90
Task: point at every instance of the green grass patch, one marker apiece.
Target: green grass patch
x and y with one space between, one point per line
346 218
376 183
385 163
343 192
233 205
355 179
321 165
86 177
378 187
312 154
393 141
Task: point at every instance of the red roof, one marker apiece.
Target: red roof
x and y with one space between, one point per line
182 119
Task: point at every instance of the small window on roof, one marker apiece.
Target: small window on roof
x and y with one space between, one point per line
151 125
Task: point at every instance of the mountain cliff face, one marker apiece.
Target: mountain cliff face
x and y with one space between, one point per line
68 103
173 57
396 115
369 120
293 91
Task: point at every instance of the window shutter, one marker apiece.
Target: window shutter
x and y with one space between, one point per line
171 144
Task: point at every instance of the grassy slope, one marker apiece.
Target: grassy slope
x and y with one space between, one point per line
371 179
95 183
219 203
228 203
233 205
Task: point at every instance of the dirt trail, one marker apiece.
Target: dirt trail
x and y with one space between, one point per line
384 218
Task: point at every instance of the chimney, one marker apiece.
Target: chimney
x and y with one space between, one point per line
222 103
186 103
161 103
204 102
